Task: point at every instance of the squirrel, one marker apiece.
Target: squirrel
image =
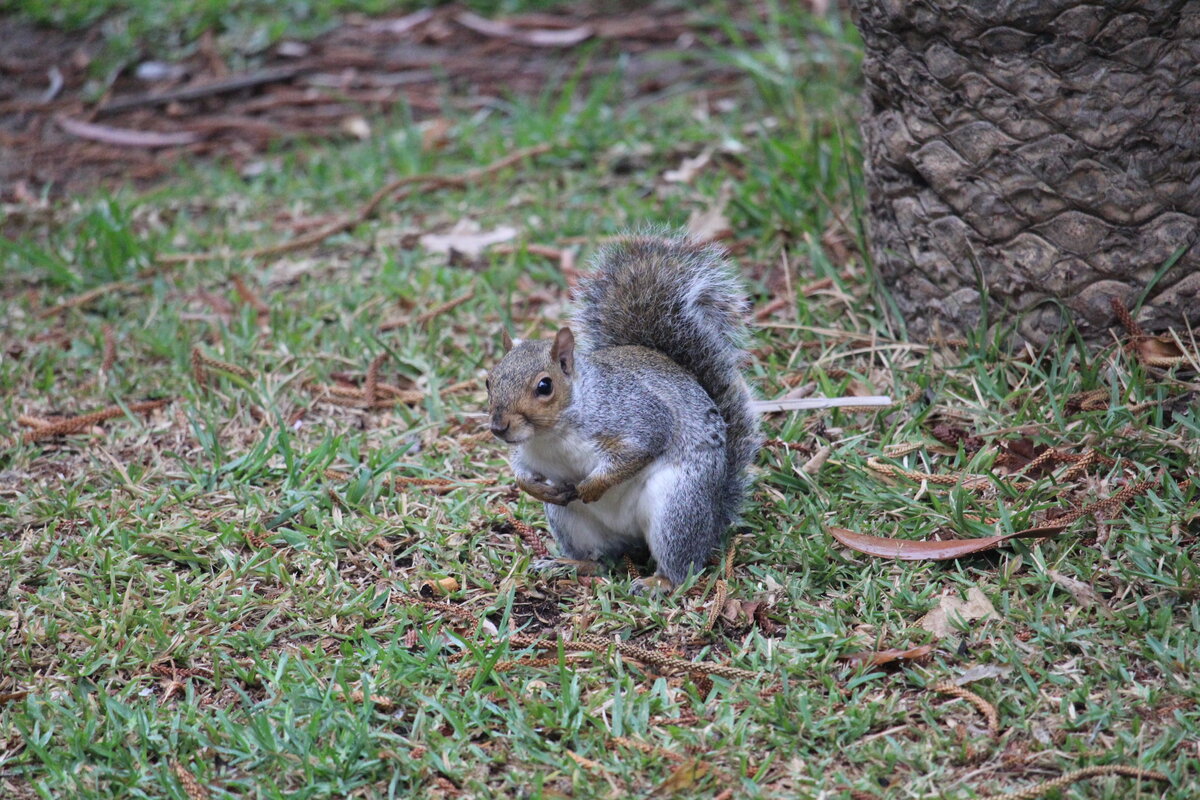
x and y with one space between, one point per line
639 434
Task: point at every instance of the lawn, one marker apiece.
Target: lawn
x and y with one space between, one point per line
303 571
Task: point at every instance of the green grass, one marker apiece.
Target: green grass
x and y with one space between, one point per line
206 537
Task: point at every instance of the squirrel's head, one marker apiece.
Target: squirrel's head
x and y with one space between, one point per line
530 387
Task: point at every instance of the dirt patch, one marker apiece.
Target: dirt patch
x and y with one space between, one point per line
155 114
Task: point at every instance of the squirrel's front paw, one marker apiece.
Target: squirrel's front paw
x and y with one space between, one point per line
556 494
591 490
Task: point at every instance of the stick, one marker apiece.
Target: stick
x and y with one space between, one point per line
195 92
810 403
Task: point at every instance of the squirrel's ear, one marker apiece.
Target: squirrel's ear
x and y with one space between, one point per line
563 350
507 341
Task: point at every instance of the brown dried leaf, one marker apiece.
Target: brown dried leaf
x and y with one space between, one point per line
468 238
689 168
814 464
1084 594
920 550
435 133
943 619
441 586
1158 350
711 224
878 658
953 435
684 777
1020 453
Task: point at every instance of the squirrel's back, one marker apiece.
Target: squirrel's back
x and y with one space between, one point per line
682 299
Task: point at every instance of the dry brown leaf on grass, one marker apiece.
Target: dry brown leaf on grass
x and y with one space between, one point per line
879 658
944 619
435 133
689 168
981 672
711 224
468 238
441 586
684 777
920 550
1084 594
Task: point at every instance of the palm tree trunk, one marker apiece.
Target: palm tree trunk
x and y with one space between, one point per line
1044 151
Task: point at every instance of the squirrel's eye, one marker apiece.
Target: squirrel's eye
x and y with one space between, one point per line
487 384
544 387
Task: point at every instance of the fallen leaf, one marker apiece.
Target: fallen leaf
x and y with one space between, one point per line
468 238
435 133
586 763
981 672
952 435
684 777
1020 453
442 586
921 550
358 127
688 169
1159 351
814 464
877 658
712 224
944 619
1084 594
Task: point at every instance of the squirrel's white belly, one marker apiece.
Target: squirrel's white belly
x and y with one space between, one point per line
626 511
622 515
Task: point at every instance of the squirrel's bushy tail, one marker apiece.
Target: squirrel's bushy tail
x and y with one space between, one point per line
683 299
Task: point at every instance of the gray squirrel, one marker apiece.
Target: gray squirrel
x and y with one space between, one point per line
640 434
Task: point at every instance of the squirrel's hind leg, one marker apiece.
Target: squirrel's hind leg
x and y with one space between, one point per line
686 521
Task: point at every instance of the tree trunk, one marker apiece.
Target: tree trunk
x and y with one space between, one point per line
1046 151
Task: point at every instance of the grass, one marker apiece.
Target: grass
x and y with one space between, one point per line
189 588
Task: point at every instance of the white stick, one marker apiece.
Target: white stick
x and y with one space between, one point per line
809 403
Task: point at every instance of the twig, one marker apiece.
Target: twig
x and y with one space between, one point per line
82 299
425 317
124 137
195 92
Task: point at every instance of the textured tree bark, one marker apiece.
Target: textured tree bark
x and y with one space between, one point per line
1047 150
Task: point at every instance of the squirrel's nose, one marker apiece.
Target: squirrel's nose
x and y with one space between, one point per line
498 429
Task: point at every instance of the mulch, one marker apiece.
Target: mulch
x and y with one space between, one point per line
57 136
